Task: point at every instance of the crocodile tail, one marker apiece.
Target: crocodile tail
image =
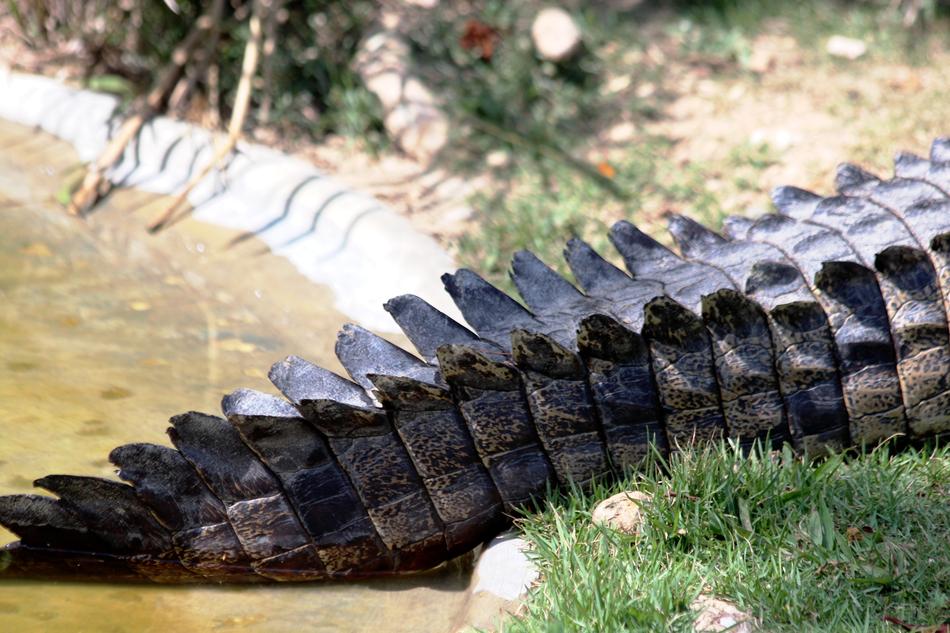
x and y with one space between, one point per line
824 326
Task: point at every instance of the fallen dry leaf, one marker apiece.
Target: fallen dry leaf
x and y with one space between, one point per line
606 169
481 36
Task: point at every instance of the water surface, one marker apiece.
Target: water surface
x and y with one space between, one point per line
105 333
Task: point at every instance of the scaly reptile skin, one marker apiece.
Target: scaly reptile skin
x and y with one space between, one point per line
824 326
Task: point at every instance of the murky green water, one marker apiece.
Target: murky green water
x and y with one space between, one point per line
104 334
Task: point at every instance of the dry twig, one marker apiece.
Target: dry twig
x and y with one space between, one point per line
267 59
95 185
242 99
202 62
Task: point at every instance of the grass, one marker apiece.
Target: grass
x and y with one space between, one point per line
832 547
546 202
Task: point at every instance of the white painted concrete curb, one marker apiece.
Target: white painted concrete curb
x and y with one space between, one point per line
504 569
361 249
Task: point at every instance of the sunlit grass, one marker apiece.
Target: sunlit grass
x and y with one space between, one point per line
833 546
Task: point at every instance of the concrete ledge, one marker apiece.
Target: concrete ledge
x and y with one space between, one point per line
349 241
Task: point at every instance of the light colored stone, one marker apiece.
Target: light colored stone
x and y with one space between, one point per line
621 512
736 92
555 35
498 158
645 91
390 20
845 47
622 132
779 139
387 86
761 60
420 130
617 83
715 615
411 114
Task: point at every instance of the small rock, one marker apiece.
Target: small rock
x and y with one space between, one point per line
412 116
498 158
622 132
504 569
390 20
555 35
778 139
617 83
715 615
645 91
621 512
707 88
845 47
761 60
387 86
420 130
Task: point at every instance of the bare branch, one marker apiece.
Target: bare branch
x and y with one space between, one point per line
242 99
96 185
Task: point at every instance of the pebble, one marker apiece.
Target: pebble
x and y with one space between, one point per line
845 47
715 615
555 35
621 512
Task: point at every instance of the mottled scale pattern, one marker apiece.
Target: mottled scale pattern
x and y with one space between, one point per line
805 360
623 390
301 458
684 369
856 315
824 325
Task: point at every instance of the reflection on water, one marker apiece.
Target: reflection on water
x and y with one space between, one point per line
105 333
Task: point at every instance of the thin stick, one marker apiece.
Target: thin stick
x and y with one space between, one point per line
95 185
267 61
242 99
203 59
214 95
